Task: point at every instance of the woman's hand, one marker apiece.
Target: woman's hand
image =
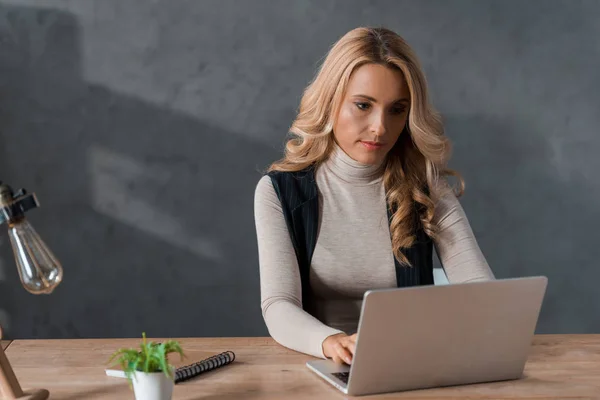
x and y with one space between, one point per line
340 348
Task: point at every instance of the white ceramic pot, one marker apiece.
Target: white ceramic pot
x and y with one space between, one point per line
152 386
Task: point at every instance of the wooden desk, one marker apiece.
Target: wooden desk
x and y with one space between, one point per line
559 366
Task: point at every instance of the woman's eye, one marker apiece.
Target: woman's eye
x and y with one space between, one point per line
398 110
363 106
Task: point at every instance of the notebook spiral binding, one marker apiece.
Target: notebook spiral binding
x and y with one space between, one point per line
208 364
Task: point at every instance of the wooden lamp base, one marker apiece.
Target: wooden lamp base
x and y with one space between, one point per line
39 394
10 389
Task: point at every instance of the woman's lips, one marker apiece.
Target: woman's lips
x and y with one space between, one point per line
372 145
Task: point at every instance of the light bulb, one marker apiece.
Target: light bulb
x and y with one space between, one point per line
39 270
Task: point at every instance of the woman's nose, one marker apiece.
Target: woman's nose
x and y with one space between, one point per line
378 124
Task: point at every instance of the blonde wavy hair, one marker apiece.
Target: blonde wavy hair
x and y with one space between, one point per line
415 164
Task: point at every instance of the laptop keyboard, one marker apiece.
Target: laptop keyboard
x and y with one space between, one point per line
342 376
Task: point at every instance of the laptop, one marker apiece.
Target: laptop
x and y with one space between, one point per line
434 336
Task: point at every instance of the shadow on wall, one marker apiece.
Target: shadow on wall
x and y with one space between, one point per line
530 217
150 211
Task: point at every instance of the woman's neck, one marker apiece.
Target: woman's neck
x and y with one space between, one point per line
352 171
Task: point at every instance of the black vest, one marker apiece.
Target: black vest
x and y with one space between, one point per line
297 192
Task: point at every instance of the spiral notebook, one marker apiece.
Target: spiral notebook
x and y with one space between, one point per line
185 372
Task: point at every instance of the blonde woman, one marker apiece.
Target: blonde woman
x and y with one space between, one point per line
360 198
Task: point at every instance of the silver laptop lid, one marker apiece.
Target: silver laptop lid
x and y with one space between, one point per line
420 337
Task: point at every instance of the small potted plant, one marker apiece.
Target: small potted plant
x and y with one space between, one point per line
148 368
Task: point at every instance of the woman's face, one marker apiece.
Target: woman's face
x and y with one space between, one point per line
373 113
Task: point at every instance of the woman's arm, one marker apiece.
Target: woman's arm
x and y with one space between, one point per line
456 245
280 285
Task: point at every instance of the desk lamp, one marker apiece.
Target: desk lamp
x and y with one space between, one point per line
39 270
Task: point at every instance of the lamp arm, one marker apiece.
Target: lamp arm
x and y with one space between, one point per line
9 385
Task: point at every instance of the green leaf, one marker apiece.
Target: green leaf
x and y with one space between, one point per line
150 357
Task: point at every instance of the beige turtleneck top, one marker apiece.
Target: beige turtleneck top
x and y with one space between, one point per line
353 253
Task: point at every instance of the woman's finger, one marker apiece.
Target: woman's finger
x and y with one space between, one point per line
336 359
351 346
344 353
351 343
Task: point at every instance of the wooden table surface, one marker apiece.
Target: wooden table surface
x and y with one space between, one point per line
559 366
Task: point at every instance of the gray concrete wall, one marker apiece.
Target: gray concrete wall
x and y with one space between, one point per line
143 126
